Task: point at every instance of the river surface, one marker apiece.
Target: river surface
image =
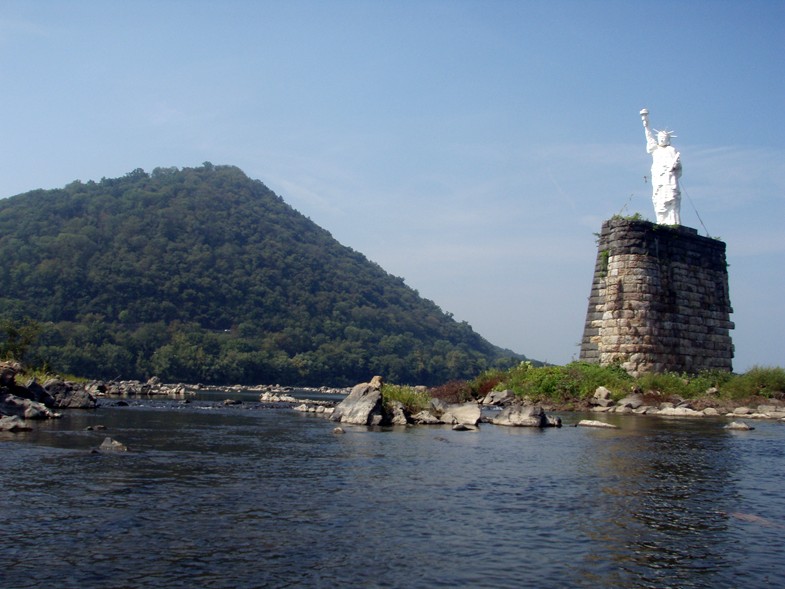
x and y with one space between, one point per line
261 496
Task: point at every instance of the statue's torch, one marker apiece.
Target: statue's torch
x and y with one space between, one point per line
645 117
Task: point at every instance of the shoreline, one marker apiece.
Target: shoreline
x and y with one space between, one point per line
36 401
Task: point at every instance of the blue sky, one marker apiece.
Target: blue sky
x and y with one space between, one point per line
471 147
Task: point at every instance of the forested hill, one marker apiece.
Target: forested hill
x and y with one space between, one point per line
204 275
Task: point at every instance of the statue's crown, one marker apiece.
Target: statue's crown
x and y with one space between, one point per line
667 132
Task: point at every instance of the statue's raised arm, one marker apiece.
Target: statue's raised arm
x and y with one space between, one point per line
665 174
651 142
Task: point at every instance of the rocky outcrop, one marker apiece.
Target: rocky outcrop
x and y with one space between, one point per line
641 404
36 392
36 401
461 413
12 405
363 406
68 395
136 388
496 398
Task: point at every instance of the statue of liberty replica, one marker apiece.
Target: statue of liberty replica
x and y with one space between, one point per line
659 300
665 174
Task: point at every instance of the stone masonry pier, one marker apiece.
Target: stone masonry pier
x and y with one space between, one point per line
659 300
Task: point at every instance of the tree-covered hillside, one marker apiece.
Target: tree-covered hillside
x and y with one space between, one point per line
204 275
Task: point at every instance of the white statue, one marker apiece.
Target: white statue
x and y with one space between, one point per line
665 174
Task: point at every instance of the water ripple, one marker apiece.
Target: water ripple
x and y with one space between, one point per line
220 497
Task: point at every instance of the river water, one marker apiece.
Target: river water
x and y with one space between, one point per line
261 496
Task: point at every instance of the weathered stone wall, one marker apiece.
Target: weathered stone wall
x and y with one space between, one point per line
659 300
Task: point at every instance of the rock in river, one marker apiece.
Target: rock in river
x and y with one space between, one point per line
525 416
363 406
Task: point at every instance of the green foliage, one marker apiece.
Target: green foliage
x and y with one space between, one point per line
605 256
685 385
575 381
633 217
203 274
759 380
413 400
666 382
42 374
16 337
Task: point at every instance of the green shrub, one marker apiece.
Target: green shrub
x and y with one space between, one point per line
686 386
759 380
412 399
666 383
588 377
577 380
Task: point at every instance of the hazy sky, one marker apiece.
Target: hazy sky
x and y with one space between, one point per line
471 147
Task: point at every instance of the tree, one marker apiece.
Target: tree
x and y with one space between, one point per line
16 337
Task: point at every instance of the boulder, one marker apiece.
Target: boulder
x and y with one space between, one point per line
363 406
524 416
594 423
68 395
465 427
12 423
8 371
397 414
36 392
739 426
768 409
425 418
599 409
505 397
111 445
601 398
462 413
632 401
97 388
438 407
680 412
24 408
